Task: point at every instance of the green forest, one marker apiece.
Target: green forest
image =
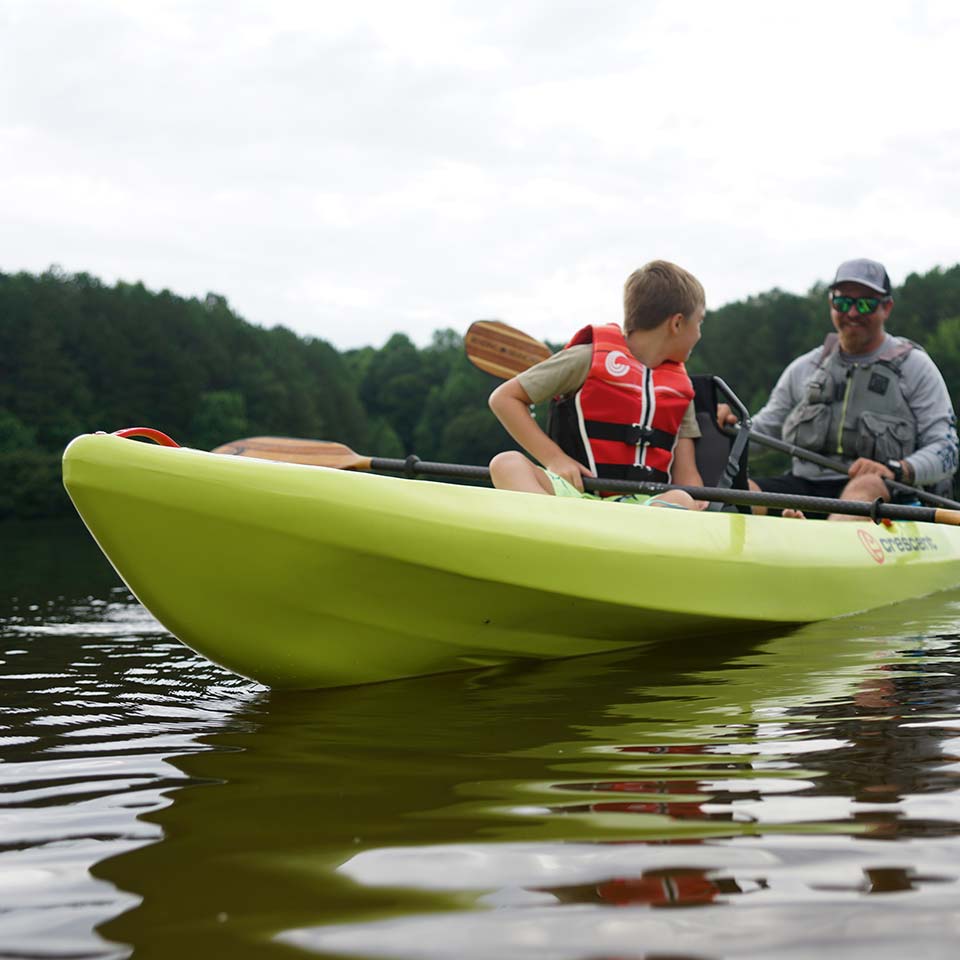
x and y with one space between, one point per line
77 355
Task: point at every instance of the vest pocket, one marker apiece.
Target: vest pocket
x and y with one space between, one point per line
882 438
806 426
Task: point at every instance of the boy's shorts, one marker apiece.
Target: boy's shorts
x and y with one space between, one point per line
563 488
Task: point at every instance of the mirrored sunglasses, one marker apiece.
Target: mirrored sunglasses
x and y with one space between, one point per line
864 305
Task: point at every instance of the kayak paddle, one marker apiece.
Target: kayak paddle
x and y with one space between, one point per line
321 453
314 453
896 485
502 350
483 336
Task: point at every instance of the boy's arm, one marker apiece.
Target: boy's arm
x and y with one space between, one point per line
684 470
511 404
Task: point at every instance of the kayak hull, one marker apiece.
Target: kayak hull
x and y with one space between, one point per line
304 577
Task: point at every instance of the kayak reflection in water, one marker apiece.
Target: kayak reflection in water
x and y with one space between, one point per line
623 403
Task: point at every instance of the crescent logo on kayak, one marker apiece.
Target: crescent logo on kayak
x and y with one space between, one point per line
908 544
872 545
617 364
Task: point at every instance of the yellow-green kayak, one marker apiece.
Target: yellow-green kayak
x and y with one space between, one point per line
302 576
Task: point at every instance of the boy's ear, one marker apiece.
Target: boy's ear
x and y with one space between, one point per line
676 322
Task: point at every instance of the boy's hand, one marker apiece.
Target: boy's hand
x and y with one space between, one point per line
571 470
725 416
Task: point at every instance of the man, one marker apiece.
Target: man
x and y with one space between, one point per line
875 401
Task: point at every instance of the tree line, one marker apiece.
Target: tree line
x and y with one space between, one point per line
77 355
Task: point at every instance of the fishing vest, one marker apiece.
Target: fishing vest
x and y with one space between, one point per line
623 421
855 410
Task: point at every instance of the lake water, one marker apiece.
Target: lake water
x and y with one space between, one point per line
780 797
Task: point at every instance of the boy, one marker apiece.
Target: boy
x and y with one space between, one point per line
626 403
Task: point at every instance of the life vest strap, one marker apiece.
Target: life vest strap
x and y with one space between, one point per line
630 433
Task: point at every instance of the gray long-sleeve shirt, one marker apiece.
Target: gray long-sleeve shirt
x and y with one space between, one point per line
924 390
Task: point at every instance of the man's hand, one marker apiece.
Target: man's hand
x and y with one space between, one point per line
571 470
864 467
725 416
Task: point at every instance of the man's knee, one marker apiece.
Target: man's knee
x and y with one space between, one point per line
755 488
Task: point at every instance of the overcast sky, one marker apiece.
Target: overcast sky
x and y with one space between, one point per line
353 169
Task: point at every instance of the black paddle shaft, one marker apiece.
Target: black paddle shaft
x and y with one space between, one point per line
821 461
878 510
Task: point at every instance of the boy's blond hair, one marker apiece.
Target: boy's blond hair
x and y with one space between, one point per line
658 290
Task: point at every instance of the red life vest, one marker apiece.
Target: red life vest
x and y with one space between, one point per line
623 421
666 888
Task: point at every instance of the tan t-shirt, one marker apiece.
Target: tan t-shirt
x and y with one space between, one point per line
566 371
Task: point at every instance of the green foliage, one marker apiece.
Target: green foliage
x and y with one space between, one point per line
455 424
944 346
14 434
384 440
30 485
394 386
76 356
221 415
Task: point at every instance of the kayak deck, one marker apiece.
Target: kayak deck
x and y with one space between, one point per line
305 577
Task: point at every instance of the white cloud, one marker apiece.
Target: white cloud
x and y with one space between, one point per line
344 171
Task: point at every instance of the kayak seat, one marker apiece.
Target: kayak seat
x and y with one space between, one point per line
722 461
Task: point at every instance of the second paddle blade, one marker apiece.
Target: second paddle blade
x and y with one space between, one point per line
502 350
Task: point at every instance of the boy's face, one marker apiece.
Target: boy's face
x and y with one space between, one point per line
686 337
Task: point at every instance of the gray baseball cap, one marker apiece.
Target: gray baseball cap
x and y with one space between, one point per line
867 272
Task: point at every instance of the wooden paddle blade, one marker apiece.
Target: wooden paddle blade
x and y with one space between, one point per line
315 453
502 350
